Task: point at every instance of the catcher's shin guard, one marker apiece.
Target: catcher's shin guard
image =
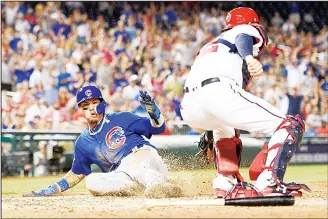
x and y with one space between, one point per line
286 139
227 156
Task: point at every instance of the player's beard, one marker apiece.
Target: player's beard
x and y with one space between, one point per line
93 121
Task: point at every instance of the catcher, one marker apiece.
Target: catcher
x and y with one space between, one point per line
114 142
224 67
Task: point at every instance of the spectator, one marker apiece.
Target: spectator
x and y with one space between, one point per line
83 30
117 101
36 109
37 75
314 119
310 131
119 80
310 82
78 82
6 78
324 85
51 93
21 24
22 95
64 79
19 121
6 121
283 99
40 160
45 40
105 71
120 31
20 69
295 74
294 13
309 24
131 29
71 66
172 85
30 18
132 90
127 11
89 74
323 130
143 39
294 102
56 115
11 9
64 96
277 21
28 39
171 15
288 27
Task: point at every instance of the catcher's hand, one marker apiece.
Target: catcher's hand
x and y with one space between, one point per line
254 66
205 145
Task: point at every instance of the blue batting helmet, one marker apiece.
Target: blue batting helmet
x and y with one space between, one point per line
88 92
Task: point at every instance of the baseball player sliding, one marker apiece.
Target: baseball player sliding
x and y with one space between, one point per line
114 142
215 99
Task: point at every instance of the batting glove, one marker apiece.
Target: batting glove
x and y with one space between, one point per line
254 66
148 104
43 192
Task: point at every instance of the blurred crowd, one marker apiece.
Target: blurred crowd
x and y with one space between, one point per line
51 49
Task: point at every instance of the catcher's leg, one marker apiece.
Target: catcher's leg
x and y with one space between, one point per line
227 155
254 114
270 165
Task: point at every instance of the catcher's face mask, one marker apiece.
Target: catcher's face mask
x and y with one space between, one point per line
264 36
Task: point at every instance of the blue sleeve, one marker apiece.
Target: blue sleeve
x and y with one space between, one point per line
81 164
142 125
244 44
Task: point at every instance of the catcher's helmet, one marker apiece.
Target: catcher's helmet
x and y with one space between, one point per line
241 15
88 92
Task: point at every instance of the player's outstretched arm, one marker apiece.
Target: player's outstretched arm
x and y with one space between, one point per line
63 184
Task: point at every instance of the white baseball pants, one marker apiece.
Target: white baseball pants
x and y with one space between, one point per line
143 166
223 106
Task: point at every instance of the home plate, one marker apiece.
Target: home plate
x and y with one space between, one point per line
179 202
258 201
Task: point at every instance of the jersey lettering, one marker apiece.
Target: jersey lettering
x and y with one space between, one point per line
211 47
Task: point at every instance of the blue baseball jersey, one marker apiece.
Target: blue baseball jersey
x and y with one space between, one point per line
113 139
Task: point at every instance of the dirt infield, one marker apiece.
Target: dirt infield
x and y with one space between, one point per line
81 204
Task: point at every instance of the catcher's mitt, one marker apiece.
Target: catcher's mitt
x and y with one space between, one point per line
205 145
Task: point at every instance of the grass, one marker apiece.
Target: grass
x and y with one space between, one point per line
295 173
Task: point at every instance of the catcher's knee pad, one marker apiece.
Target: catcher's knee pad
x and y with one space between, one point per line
293 128
227 155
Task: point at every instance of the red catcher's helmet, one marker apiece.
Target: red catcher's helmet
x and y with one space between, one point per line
241 15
